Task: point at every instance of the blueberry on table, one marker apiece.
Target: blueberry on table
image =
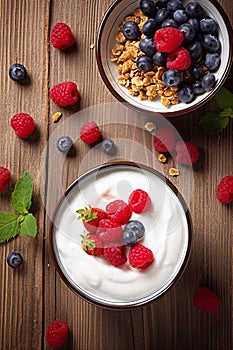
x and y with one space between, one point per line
17 72
14 259
108 146
208 81
186 94
148 8
144 63
147 46
130 30
137 227
64 143
171 77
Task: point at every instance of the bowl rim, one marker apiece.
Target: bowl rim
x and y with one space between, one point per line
187 109
140 301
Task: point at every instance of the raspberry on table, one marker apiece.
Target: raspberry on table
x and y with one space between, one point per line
61 36
168 39
139 201
187 153
89 132
224 191
206 300
4 178
65 94
56 334
164 140
140 257
115 255
118 211
23 124
179 59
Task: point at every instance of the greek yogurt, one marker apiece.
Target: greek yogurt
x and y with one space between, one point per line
167 234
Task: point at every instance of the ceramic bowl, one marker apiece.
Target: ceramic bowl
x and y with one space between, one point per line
106 41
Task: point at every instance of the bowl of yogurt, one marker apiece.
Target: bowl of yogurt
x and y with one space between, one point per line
168 234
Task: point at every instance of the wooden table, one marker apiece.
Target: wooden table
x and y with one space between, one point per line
34 295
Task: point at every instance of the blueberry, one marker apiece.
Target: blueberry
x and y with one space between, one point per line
17 72
188 31
108 146
208 82
212 60
174 5
194 22
144 63
171 77
147 46
194 9
64 143
195 49
150 27
129 238
148 8
162 14
186 94
14 259
211 43
169 22
160 58
137 227
130 30
197 88
180 16
161 3
208 25
197 71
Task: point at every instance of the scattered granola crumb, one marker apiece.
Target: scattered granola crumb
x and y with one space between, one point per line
150 126
162 158
56 116
92 46
174 172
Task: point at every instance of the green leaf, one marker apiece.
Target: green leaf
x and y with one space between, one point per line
28 226
212 122
227 112
9 226
224 98
22 194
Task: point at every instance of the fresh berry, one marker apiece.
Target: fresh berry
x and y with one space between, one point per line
148 8
108 146
161 3
180 16
147 46
139 201
194 9
164 140
56 334
208 25
188 32
130 30
186 94
64 144
109 231
149 27
194 23
224 190
197 71
174 5
211 43
206 300
17 72
140 257
187 153
4 178
133 231
162 15
23 124
212 61
91 217
160 58
115 255
197 88
118 211
65 94
89 132
179 59
129 238
92 245
61 36
208 81
171 77
169 22
14 259
144 63
168 39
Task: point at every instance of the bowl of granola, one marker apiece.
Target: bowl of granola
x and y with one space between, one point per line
167 57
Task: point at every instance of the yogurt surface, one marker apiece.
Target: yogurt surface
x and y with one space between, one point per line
166 234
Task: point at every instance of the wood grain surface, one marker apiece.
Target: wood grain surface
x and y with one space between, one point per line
34 295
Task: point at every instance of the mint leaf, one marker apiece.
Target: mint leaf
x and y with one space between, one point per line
28 227
227 112
224 98
212 122
22 194
9 226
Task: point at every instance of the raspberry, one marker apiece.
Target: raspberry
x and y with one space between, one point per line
187 153
4 178
179 59
109 231
206 301
56 334
92 245
61 36
164 140
115 255
140 257
224 190
23 124
89 132
119 212
64 94
168 39
139 201
91 217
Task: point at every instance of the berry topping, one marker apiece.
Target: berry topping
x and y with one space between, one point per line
91 217
188 31
187 153
139 201
160 58
195 49
180 16
140 257
206 300
89 132
17 72
197 71
115 255
133 231
211 43
174 5
147 46
108 147
148 8
164 140
208 82
149 27
64 94
168 39
208 25
171 77
179 59
129 238
92 245
4 178
197 88
119 212
14 259
212 61
64 144
130 30
194 9
23 124
61 36
224 190
144 63
186 94
109 231
56 334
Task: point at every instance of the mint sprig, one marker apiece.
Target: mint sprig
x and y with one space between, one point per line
21 222
217 121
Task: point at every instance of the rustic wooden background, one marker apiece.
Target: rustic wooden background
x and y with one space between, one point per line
34 295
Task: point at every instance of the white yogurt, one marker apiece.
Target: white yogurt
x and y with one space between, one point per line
166 234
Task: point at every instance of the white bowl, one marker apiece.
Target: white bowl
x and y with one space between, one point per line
106 41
